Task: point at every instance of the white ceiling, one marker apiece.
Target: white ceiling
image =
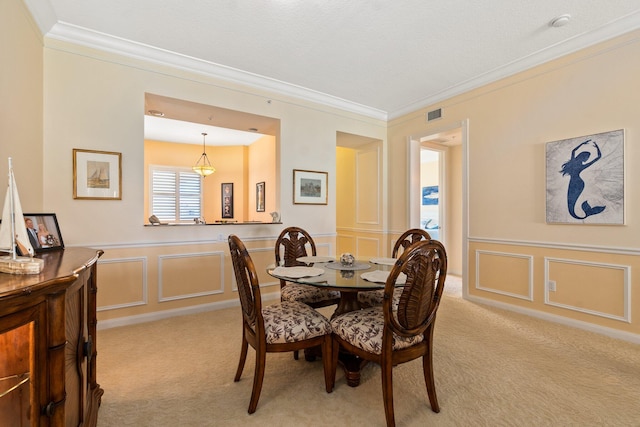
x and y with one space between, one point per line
169 130
382 58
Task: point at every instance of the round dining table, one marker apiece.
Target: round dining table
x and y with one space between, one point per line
349 280
323 272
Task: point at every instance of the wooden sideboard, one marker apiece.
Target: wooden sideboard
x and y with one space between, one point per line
48 343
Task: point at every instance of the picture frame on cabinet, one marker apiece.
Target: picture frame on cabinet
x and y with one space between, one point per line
43 231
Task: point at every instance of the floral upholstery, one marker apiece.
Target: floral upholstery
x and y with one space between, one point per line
293 321
306 294
374 298
363 329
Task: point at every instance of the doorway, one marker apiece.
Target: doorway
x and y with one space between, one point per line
437 189
432 215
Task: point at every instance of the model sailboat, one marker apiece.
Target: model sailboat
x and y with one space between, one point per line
14 236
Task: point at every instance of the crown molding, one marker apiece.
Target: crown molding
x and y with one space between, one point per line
104 42
45 18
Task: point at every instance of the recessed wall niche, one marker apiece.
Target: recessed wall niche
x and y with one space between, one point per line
241 146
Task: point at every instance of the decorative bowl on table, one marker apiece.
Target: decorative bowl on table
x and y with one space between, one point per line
347 260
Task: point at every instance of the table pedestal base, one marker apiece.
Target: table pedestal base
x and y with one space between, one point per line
351 365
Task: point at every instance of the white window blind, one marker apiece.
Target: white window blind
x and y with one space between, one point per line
176 194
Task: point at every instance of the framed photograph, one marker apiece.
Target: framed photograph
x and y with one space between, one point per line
227 200
43 231
309 187
97 175
585 179
260 197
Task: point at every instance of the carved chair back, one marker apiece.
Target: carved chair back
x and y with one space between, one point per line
248 284
425 266
407 239
292 244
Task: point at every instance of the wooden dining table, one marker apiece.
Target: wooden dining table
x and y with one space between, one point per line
326 273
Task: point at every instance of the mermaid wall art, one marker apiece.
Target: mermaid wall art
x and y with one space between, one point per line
585 179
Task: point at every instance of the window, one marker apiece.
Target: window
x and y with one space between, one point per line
176 194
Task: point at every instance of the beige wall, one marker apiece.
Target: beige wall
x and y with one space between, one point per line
512 252
262 161
21 114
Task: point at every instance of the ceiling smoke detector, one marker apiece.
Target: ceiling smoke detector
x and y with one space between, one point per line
560 21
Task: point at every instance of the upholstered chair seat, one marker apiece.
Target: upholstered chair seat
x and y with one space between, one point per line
306 294
293 321
364 328
374 298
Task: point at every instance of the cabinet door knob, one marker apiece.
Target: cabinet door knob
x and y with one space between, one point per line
51 406
88 348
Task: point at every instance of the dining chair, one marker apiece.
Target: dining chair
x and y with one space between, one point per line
281 327
393 334
292 244
408 238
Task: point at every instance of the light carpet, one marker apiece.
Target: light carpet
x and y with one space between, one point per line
492 368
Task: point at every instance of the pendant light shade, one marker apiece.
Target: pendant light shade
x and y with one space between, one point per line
203 165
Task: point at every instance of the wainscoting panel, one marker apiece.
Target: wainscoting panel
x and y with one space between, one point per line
598 289
192 275
367 247
368 186
122 283
505 273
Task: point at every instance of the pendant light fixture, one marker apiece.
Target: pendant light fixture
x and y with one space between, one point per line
203 166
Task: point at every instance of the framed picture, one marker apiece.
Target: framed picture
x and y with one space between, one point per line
585 179
97 175
260 197
430 195
43 231
309 187
227 200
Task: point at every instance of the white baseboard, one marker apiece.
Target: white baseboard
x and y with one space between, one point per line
602 330
157 315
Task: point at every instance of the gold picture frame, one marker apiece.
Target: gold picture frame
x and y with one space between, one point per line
260 196
97 175
309 187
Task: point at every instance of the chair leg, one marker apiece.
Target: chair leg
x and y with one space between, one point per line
327 361
335 350
295 354
427 368
258 376
243 358
387 390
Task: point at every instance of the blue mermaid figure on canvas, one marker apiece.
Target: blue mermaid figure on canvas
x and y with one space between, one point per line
573 168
